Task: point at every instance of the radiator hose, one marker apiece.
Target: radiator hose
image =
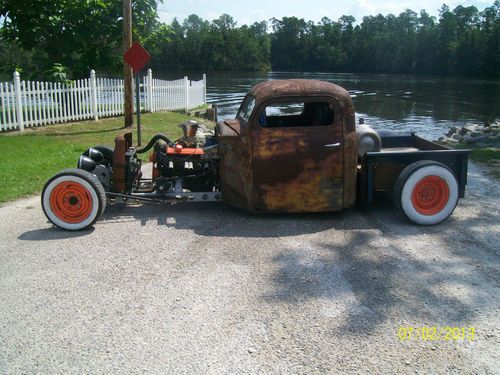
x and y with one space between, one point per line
152 142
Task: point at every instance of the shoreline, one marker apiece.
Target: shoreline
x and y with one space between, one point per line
484 141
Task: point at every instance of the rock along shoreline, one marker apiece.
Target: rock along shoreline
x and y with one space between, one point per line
487 135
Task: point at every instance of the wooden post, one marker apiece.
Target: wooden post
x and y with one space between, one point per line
19 103
216 112
128 107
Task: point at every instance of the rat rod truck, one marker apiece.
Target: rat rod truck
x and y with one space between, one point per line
293 147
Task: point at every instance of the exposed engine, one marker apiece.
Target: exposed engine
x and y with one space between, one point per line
190 160
187 165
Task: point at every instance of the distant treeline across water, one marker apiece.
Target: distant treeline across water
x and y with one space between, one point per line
462 41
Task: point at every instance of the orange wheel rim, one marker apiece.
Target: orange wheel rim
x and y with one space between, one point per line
71 202
430 195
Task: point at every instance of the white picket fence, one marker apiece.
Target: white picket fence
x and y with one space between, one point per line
27 104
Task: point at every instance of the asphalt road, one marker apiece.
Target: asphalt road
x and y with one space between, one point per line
208 289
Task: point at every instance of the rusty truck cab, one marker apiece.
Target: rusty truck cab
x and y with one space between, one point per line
291 148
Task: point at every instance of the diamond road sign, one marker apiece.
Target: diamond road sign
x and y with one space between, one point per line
136 57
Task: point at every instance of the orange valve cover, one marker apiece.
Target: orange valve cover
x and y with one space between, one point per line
184 151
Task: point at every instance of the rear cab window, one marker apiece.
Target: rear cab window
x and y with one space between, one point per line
297 114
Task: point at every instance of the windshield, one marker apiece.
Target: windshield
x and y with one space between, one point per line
246 108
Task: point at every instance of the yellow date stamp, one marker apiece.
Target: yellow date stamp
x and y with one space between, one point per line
434 333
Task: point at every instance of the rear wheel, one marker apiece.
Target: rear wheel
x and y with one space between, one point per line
73 199
426 192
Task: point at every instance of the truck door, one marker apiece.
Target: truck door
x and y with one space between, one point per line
235 157
297 155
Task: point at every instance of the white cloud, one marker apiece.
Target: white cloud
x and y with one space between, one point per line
210 15
362 8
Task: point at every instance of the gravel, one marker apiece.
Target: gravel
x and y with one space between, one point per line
209 289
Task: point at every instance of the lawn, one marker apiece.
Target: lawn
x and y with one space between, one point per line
29 158
483 154
489 156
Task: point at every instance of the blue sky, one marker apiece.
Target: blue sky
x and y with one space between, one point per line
249 11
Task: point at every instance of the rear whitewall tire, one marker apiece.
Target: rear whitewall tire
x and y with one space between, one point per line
408 180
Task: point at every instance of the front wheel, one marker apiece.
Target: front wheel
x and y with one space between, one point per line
73 199
426 192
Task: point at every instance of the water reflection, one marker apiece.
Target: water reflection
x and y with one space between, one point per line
428 105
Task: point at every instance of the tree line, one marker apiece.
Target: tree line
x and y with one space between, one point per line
56 38
83 35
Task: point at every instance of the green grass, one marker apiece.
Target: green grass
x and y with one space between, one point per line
30 158
481 154
489 156
202 106
485 154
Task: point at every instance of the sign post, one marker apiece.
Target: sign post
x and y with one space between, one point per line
138 106
137 57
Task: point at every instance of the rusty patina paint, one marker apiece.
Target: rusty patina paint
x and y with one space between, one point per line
288 169
385 174
299 88
236 157
293 172
350 155
121 144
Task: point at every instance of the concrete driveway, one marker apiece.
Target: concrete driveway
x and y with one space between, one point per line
208 289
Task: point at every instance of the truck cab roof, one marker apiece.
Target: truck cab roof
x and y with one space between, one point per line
299 88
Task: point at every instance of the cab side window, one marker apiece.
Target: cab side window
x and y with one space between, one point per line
246 108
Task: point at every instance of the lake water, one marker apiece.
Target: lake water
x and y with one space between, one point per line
426 105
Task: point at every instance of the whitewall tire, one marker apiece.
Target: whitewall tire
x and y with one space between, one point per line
426 192
73 199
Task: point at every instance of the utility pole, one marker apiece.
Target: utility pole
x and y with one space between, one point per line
127 71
